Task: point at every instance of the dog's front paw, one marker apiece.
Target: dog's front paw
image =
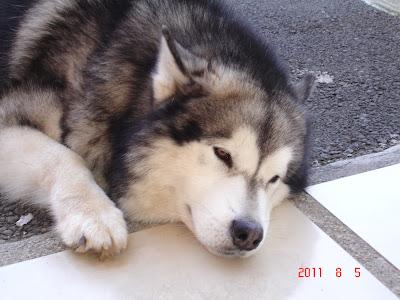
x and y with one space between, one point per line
104 232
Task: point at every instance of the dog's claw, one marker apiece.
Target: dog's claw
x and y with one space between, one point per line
82 241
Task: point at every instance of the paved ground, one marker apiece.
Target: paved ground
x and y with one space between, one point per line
351 47
359 47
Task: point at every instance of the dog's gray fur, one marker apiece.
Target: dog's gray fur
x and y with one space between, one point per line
144 91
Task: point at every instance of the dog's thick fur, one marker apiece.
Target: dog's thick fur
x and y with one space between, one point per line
173 109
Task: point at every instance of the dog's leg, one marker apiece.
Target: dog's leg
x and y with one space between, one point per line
35 166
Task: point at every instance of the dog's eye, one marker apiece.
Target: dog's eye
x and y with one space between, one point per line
274 179
223 155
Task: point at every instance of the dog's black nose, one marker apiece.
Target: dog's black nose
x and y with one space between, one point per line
246 234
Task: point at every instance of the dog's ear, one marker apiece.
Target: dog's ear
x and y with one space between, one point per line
304 88
177 69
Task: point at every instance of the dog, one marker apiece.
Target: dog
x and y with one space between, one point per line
152 111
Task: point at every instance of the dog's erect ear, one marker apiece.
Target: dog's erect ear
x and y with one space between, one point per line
304 88
177 69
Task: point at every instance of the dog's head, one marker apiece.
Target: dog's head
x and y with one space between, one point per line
222 147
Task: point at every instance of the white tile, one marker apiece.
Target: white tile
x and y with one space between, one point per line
368 203
168 263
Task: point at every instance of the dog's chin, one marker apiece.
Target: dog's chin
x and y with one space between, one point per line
230 253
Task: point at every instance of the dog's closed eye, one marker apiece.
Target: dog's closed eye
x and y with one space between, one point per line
274 179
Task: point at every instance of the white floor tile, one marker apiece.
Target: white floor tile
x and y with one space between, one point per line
168 263
368 203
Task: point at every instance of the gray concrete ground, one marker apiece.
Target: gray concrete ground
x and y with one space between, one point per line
354 49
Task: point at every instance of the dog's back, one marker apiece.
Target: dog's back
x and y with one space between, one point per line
58 40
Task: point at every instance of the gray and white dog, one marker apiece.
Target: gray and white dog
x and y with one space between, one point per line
173 109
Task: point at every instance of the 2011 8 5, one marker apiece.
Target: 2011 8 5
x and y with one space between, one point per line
317 272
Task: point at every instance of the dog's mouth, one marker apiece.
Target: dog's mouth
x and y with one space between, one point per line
233 253
223 251
228 252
